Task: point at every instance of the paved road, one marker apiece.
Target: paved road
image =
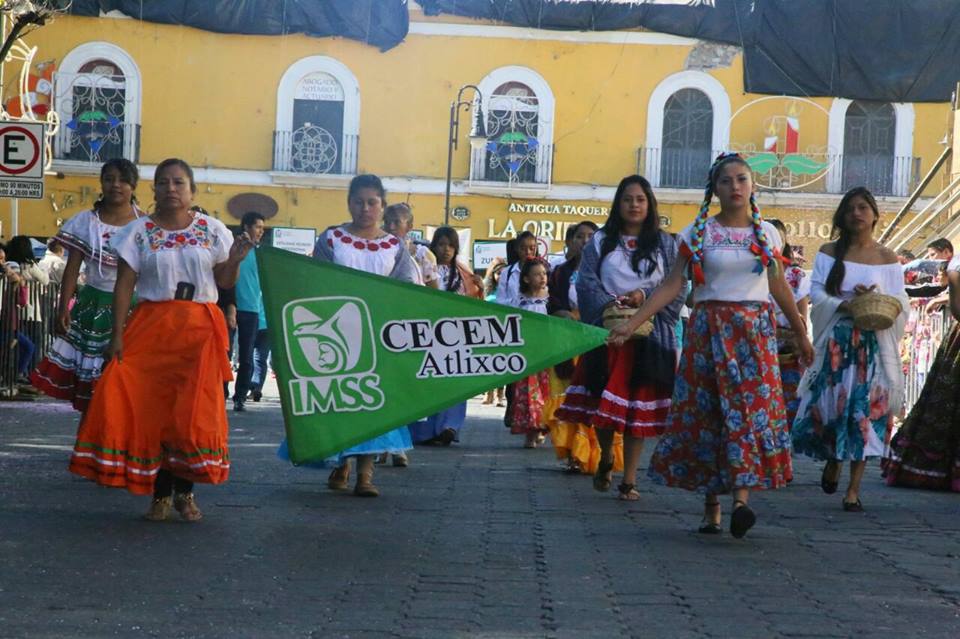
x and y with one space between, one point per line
480 540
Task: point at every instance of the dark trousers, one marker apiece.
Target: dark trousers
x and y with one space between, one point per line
25 349
166 483
261 352
231 337
247 328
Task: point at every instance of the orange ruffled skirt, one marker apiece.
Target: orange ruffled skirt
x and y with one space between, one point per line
161 405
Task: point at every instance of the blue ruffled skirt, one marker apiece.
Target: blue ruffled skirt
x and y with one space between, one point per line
394 442
431 427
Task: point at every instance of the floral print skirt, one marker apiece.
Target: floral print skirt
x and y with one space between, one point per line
845 413
727 426
925 452
529 398
791 371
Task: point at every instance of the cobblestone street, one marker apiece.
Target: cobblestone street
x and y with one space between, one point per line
483 539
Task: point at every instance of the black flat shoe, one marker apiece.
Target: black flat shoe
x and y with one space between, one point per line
829 487
708 527
853 507
741 520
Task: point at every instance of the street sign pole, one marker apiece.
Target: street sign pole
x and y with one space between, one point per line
21 165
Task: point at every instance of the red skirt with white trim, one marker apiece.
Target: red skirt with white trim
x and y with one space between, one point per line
637 410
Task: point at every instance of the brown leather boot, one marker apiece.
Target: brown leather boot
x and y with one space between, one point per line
364 486
340 477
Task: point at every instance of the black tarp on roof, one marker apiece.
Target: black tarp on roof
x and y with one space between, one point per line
381 23
885 50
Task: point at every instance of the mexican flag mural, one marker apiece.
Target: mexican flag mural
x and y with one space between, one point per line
357 355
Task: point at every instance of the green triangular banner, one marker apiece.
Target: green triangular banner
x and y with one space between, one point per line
357 355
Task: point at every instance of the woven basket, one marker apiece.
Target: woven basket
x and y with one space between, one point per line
874 311
614 316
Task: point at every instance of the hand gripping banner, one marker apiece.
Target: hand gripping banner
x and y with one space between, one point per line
357 355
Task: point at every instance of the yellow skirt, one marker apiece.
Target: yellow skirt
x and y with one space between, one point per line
576 442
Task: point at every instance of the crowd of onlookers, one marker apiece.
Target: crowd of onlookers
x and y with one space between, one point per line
28 292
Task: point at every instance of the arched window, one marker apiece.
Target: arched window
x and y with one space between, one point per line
518 109
872 143
688 119
868 146
97 94
318 118
687 131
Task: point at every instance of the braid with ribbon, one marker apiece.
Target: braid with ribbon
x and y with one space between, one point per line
699 227
761 247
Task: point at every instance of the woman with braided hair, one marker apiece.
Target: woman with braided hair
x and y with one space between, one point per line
727 430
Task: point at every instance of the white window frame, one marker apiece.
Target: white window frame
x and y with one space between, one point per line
902 143
133 92
351 101
546 106
719 100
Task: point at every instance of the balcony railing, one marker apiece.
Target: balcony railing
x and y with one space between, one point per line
96 141
882 174
313 150
519 165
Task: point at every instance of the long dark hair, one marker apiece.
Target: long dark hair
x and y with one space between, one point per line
841 234
450 234
648 241
20 250
128 173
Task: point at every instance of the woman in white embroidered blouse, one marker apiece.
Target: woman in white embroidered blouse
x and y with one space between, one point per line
850 395
157 421
727 429
361 244
73 364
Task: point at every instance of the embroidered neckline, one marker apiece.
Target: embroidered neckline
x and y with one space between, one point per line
384 242
197 234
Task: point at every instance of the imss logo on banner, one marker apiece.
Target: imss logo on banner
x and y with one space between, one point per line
332 355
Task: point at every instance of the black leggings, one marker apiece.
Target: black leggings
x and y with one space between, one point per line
166 483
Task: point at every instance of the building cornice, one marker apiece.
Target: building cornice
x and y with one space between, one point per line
436 186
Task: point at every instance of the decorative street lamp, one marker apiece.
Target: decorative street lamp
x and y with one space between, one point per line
478 134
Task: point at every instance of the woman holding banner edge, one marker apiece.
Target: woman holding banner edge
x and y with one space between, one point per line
727 431
361 244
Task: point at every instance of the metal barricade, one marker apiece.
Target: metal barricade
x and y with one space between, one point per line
23 324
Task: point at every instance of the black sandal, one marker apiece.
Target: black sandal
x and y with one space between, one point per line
853 506
602 479
742 519
709 527
628 492
829 487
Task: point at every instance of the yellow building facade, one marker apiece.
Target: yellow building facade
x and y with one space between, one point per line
568 114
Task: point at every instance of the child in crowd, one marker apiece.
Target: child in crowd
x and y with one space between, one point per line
530 394
444 427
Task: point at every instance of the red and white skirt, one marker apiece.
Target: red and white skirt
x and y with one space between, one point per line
637 410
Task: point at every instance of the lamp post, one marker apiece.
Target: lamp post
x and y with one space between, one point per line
478 135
